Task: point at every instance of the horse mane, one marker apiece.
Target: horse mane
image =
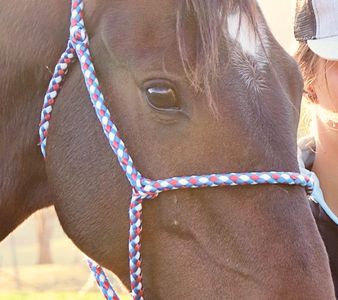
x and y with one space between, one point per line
210 18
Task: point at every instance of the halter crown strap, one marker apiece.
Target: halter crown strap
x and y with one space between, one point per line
78 43
142 188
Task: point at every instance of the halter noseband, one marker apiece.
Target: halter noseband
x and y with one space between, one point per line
142 188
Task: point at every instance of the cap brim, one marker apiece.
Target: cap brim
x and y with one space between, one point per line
326 48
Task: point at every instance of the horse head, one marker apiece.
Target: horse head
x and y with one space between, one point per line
195 87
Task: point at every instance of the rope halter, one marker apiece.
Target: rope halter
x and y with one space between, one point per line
142 188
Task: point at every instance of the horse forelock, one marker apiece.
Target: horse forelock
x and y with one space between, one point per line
217 22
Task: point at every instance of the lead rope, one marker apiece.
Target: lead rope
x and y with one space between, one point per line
142 188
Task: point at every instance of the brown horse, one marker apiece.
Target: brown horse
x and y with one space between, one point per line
195 87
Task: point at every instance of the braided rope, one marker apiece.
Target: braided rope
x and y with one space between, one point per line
53 90
230 179
142 188
102 281
135 217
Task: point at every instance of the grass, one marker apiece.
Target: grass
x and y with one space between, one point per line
54 296
50 296
43 279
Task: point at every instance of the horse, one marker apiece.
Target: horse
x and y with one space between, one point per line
196 87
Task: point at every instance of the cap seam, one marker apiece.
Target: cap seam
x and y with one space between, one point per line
316 13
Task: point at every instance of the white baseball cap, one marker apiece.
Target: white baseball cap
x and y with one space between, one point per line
316 22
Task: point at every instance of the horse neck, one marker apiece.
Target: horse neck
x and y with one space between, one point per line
34 34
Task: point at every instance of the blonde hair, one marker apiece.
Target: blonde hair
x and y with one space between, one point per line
308 63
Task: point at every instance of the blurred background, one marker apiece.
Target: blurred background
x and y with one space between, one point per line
39 262
279 15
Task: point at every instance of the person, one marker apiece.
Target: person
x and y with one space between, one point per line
316 29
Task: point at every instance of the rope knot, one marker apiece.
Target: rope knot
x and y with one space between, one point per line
144 194
78 34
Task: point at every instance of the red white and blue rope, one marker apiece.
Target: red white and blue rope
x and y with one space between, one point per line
142 188
102 281
53 90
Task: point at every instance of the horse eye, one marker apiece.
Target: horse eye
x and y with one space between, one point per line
162 98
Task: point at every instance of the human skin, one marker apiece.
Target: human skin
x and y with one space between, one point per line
326 163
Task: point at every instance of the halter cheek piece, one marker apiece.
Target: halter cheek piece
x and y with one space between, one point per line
142 188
